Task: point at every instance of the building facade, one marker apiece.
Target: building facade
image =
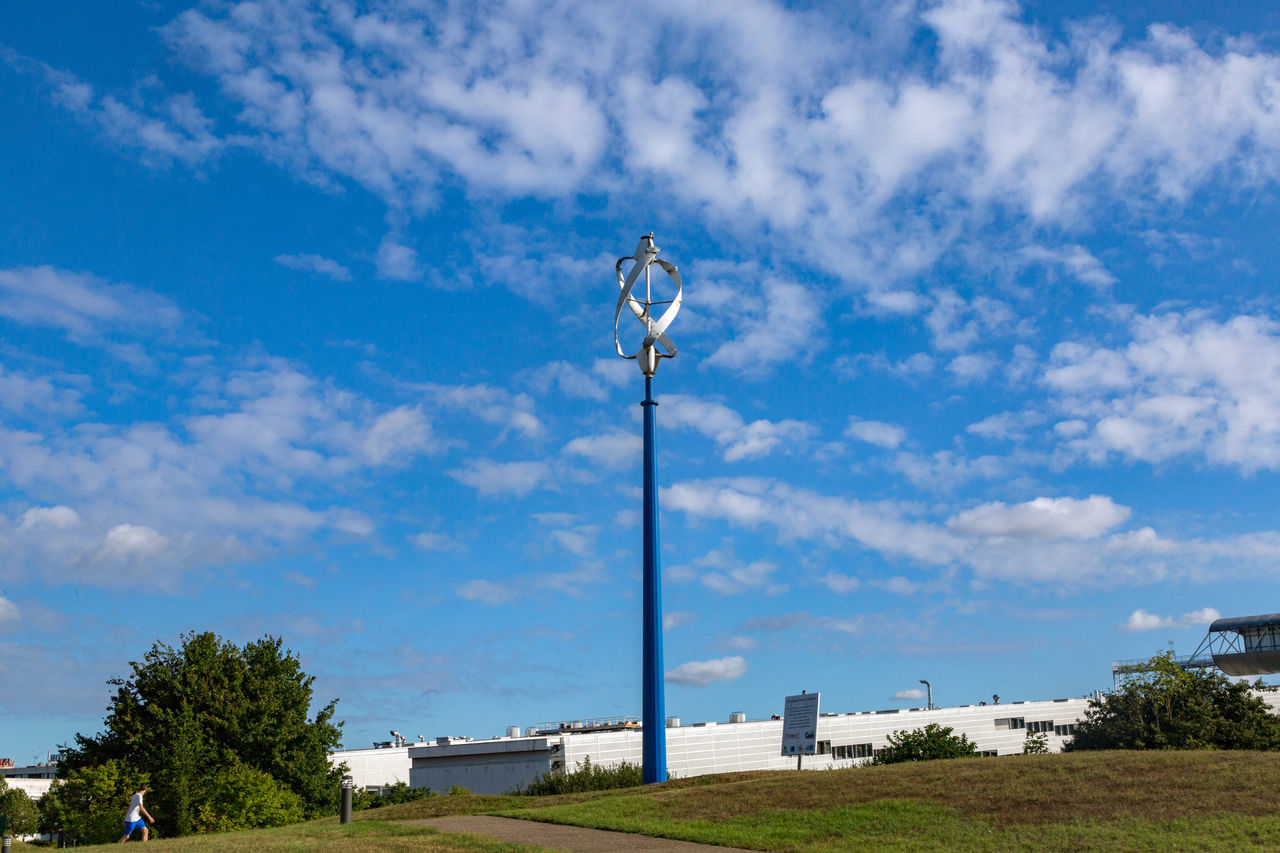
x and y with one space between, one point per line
497 765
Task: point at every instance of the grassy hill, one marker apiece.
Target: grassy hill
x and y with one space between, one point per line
1077 802
1083 801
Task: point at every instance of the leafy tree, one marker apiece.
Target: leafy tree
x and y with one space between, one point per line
1173 708
926 744
23 815
240 797
189 716
1036 743
88 804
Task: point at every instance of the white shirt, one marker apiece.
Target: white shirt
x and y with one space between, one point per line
135 808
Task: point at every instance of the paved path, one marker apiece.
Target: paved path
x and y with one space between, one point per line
575 839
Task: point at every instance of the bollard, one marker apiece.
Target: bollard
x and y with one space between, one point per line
6 843
348 786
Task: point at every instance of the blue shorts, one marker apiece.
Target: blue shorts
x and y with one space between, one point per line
130 827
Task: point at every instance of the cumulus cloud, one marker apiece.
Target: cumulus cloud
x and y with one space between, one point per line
876 432
911 693
315 264
840 583
84 306
1186 384
805 140
8 611
740 440
486 592
491 478
1141 620
613 450
697 673
1042 518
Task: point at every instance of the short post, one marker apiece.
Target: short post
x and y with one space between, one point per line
6 843
348 788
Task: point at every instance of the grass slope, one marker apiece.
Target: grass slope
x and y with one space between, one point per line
1095 801
369 836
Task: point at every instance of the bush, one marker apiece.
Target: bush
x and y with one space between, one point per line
1169 707
588 777
89 804
391 795
927 744
241 797
1036 743
24 817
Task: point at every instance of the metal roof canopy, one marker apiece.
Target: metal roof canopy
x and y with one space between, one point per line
1235 623
1236 645
1244 645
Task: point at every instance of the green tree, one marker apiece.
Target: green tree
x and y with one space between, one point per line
24 817
1173 708
88 804
241 797
926 744
1035 743
187 716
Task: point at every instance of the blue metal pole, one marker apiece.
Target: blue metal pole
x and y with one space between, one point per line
654 768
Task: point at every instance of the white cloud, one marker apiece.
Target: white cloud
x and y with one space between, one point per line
1042 518
491 478
315 264
701 673
85 307
678 619
428 541
614 450
876 432
803 141
394 436
740 440
911 693
24 394
398 261
55 517
898 585
514 412
785 327
1185 385
1141 620
131 543
486 592
839 583
8 611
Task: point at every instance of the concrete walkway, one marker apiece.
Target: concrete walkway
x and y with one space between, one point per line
575 839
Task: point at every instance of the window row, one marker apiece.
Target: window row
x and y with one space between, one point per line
854 750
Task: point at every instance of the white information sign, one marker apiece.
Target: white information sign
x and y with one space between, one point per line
800 725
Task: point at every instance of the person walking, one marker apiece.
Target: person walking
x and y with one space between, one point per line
133 817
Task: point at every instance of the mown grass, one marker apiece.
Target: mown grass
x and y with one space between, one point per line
1096 801
370 836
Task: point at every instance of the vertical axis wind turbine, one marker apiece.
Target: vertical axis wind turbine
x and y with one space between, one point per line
655 346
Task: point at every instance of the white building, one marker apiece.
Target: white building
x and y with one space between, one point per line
496 765
501 764
35 779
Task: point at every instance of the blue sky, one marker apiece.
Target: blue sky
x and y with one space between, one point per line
305 330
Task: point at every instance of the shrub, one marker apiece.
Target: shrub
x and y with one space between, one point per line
926 744
588 777
1036 743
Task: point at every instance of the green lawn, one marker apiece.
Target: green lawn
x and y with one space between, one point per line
370 836
1114 801
1096 801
